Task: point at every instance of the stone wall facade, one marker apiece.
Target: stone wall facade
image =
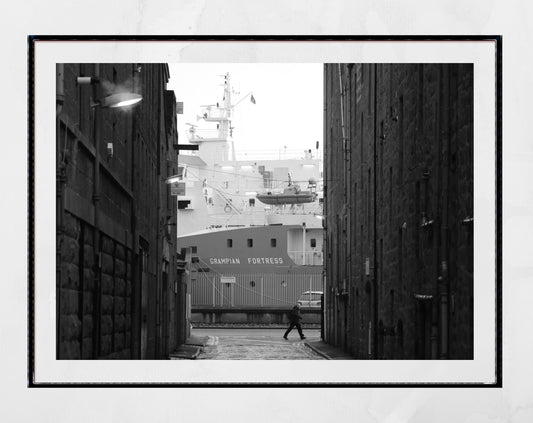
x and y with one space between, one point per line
399 210
116 235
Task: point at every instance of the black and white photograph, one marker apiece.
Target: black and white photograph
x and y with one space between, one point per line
311 219
206 214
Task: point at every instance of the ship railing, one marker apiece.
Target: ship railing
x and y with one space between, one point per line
314 209
205 134
306 258
279 154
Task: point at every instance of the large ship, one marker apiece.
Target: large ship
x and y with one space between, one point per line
249 223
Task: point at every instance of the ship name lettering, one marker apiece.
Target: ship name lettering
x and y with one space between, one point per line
265 260
225 260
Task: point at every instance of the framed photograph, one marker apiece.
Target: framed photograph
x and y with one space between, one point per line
265 211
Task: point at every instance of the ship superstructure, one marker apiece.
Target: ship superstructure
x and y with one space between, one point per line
250 222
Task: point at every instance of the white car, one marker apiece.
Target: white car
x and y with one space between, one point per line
310 299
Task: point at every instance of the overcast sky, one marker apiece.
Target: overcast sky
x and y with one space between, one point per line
288 110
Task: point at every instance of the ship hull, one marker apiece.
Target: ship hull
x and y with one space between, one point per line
254 267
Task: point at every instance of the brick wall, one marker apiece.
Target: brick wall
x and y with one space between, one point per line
404 158
99 292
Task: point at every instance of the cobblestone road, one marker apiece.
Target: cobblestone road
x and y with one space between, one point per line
258 347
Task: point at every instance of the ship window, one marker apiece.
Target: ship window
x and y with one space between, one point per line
252 284
250 242
230 243
273 242
194 250
251 202
313 242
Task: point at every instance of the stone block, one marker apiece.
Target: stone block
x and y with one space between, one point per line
88 325
88 280
69 350
108 245
106 325
120 305
119 341
87 350
88 256
120 287
69 327
71 226
88 303
68 302
106 346
69 276
120 323
107 264
120 252
69 249
107 284
107 304
120 268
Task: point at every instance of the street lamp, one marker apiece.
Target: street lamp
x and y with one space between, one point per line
112 101
120 100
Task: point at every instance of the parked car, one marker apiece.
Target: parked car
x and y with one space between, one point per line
310 299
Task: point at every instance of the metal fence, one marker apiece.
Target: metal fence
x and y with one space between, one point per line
258 290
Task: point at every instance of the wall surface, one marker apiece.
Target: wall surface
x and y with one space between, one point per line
116 274
399 207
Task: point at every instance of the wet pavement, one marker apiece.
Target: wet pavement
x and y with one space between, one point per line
256 344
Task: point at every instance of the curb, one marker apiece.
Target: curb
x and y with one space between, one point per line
323 354
186 353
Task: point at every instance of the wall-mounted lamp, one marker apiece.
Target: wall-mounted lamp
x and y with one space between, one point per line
172 179
111 101
120 100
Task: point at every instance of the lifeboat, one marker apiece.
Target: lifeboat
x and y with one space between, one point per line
291 195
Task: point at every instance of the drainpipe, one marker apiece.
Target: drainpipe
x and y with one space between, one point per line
375 287
443 278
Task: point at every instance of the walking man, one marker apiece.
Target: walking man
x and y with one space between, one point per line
294 319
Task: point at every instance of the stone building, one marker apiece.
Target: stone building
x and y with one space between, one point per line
399 210
119 294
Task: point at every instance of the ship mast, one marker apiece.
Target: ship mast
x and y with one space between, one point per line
216 145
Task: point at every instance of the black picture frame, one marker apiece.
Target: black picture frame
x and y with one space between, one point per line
33 40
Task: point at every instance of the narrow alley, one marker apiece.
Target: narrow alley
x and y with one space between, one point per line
254 344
